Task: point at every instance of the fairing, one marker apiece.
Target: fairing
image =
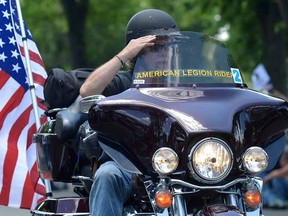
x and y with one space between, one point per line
194 91
138 127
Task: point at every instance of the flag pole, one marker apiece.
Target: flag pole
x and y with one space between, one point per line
31 84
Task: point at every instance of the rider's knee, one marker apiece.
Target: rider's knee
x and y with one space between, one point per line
107 172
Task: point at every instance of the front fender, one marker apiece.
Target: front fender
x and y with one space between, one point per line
221 210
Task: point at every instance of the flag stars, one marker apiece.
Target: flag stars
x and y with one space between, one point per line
14 53
3 57
12 40
12 10
16 68
29 33
1 43
3 2
17 26
9 27
6 14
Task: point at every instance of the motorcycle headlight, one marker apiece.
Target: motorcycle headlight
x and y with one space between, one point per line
255 160
165 161
210 160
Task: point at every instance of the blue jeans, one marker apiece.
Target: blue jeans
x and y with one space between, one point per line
111 188
275 190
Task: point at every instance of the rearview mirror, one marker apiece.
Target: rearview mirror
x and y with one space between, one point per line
87 102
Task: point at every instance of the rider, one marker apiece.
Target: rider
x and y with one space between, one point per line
112 185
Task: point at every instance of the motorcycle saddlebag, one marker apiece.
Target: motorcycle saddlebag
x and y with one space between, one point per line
56 160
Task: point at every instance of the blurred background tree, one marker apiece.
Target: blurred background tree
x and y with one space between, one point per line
83 33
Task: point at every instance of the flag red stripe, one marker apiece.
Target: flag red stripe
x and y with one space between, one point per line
31 179
27 198
14 101
4 78
33 56
43 119
12 154
32 130
39 188
37 78
40 104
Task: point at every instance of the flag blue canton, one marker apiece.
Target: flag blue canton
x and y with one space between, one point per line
10 43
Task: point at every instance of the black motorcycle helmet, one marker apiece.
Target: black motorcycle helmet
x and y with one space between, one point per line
150 22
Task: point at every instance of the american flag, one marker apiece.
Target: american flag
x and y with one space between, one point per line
20 186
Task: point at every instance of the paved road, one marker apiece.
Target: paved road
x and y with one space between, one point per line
5 211
269 212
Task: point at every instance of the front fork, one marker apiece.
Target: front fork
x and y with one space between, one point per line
179 205
236 204
258 183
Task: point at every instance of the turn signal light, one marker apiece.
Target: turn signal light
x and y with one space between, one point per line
163 199
253 198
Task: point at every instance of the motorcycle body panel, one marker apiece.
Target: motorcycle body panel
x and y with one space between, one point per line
55 142
62 206
56 158
217 210
244 118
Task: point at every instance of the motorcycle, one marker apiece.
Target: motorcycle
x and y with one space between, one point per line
193 134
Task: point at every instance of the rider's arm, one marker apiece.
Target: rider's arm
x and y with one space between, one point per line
277 173
103 75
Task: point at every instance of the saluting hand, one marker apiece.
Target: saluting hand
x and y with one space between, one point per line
135 46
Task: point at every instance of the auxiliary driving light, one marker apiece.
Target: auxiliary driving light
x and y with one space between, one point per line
255 160
165 161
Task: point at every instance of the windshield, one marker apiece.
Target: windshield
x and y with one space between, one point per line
185 59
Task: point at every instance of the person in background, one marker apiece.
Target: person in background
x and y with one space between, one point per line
112 186
275 188
262 82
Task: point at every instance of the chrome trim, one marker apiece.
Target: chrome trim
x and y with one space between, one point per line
233 199
219 187
179 205
64 214
77 214
255 212
42 212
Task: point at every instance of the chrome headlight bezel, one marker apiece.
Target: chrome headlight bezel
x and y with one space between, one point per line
221 146
255 160
170 158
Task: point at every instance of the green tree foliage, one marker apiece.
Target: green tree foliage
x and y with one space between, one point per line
48 26
105 32
76 14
